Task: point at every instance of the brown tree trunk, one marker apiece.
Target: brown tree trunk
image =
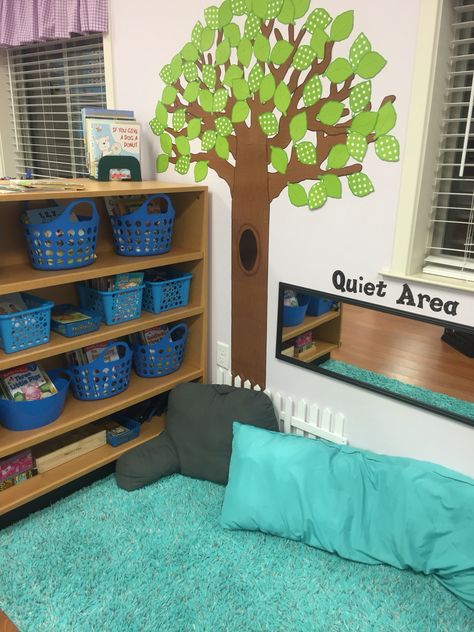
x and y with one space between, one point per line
250 234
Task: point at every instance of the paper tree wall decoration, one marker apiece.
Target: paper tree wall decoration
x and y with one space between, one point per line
260 96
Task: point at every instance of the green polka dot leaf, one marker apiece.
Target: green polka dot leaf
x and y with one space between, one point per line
360 96
182 165
267 88
282 97
222 147
232 34
332 185
196 35
387 148
342 26
279 159
304 57
167 75
357 146
312 91
200 170
191 91
178 119
190 71
207 39
318 19
306 153
255 78
331 112
360 184
370 65
268 123
166 143
239 7
273 9
359 49
208 140
244 51
194 128
298 126
156 127
211 15
162 162
338 156
386 119
281 52
317 196
252 26
219 100
287 13
364 122
224 126
339 70
318 42
297 194
209 76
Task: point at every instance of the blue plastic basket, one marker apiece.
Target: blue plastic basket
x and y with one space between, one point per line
71 330
142 233
101 379
29 328
319 305
34 414
295 315
61 243
114 307
160 296
133 426
162 357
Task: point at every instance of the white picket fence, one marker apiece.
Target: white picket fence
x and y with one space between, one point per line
296 417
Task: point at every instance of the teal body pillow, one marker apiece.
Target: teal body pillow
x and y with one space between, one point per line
363 506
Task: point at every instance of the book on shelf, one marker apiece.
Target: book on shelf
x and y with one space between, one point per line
88 354
26 383
11 303
14 185
18 478
119 205
16 468
68 446
122 281
149 336
67 314
46 215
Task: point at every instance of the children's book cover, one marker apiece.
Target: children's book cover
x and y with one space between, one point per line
111 138
27 382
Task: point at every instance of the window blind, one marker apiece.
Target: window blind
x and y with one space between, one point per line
49 84
450 250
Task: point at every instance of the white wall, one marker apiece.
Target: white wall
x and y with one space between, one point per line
352 234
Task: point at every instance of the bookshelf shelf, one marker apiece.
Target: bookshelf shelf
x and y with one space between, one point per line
189 253
52 479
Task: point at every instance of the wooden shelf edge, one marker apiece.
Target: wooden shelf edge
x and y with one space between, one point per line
313 354
310 322
20 277
60 344
79 413
58 476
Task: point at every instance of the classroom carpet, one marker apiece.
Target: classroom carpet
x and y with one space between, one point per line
424 395
157 559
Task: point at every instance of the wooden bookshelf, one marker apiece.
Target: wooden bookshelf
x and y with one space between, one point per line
54 478
310 322
321 348
189 253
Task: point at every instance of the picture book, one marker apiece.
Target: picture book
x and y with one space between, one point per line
15 464
154 334
106 137
18 478
46 215
93 352
11 303
27 382
65 314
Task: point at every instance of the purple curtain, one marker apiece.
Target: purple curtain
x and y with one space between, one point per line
26 21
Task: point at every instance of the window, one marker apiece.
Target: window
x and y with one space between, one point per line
49 84
434 239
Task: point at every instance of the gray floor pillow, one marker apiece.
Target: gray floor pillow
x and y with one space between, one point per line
197 441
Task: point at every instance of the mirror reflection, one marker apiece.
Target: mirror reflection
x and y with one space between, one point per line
427 363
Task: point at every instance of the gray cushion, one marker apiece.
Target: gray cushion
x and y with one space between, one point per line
198 438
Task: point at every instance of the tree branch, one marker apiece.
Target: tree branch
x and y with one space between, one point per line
223 169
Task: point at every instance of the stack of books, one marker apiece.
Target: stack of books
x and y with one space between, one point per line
88 354
123 281
119 205
110 133
27 382
16 468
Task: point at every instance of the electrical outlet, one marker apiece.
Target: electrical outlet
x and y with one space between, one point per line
223 355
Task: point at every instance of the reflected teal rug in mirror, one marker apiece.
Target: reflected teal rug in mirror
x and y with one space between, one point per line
157 560
420 394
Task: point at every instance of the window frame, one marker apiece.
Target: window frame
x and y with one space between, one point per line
421 149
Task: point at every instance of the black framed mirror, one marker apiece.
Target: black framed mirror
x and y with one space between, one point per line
420 360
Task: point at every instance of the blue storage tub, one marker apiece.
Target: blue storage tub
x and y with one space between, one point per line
61 243
100 379
34 414
319 305
162 357
29 328
294 315
114 307
81 327
133 426
142 233
172 292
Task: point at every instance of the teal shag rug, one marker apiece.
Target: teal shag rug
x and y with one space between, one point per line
432 398
106 560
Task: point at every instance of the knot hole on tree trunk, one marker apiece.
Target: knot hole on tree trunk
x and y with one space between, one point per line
249 249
